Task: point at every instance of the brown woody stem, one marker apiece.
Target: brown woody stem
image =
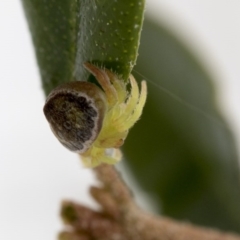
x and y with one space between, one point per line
121 219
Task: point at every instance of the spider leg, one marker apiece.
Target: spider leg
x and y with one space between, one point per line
103 79
137 111
111 138
112 155
131 102
92 157
96 156
119 85
122 117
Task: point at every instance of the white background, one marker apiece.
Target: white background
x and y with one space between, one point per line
36 173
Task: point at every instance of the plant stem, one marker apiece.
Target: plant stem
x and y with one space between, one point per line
121 219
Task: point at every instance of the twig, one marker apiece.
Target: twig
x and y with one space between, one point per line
121 219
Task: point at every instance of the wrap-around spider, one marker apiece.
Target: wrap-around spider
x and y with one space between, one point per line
92 121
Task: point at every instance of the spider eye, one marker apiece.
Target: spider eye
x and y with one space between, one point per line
75 112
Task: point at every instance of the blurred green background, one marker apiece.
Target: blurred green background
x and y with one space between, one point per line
182 152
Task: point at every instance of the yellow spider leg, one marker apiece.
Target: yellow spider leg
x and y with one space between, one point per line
131 102
111 138
119 85
93 156
114 156
104 81
120 118
96 156
138 109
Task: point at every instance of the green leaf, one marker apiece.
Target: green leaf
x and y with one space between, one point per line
181 151
53 26
68 33
109 35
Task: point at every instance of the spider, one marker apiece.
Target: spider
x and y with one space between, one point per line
95 122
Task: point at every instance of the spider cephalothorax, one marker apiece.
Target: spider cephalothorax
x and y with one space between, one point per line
92 121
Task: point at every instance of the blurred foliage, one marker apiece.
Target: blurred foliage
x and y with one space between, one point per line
181 152
68 33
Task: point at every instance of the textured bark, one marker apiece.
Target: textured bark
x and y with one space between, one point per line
121 219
